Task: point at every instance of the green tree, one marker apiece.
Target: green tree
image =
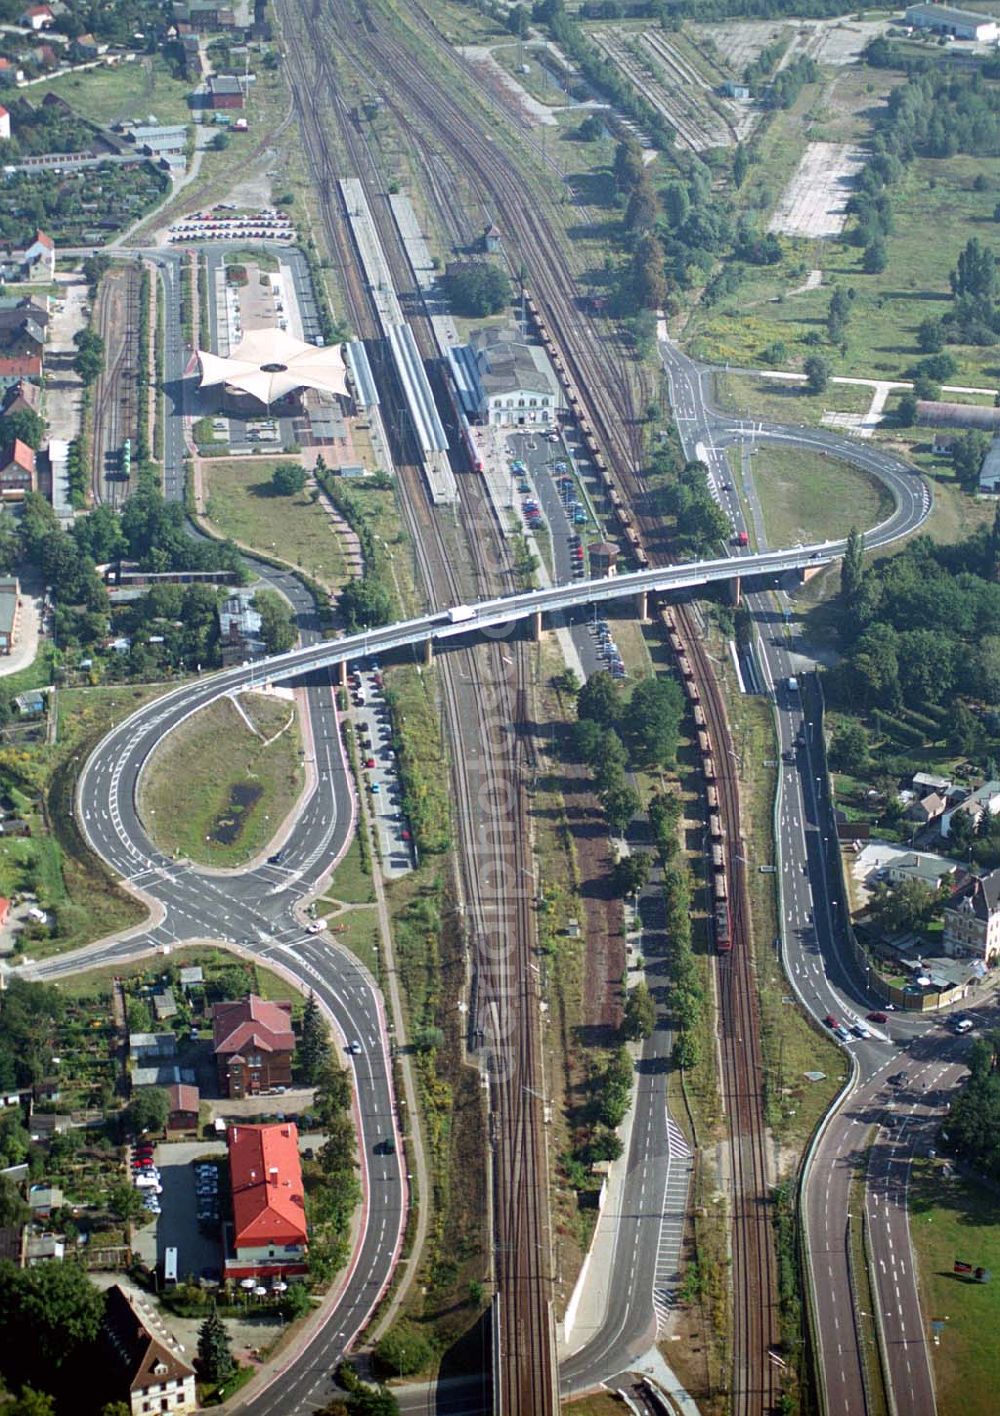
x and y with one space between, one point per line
876 257
31 1403
215 1349
849 749
651 722
817 372
89 361
930 336
629 170
148 1110
976 272
600 699
519 21
964 733
125 1201
676 203
49 1315
277 621
620 805
852 569
13 1211
967 454
404 1350
631 874
365 603
116 1408
333 1093
906 410
314 1044
476 288
24 424
640 1013
288 479
902 908
609 761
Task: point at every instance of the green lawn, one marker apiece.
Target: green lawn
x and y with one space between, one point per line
952 1219
351 884
127 91
213 791
295 529
787 403
808 497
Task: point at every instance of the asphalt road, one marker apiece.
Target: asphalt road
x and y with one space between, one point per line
812 939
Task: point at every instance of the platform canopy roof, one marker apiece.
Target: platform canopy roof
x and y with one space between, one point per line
268 363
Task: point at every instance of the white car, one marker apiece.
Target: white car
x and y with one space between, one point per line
317 926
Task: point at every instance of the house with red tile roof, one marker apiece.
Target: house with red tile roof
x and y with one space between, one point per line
17 471
253 1043
270 1234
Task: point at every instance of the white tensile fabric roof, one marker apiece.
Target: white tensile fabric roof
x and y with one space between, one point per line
268 363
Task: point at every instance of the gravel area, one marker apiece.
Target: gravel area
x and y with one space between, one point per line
815 201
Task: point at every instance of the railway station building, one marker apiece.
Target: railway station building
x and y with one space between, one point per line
510 383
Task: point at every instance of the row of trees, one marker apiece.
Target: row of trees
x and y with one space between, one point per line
687 1003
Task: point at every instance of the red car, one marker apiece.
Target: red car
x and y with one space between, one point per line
878 1017
830 1020
369 762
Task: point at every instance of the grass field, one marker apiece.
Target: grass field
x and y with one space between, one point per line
952 1219
787 403
240 504
351 884
808 497
127 91
213 792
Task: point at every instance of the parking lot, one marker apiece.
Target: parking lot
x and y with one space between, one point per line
555 498
373 734
199 1247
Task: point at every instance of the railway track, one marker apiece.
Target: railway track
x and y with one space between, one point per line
599 372
600 399
483 701
115 391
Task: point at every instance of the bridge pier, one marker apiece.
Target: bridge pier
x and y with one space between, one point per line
428 652
343 673
642 606
536 626
735 591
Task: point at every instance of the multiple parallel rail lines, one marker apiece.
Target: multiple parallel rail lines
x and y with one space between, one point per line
488 722
603 396
116 402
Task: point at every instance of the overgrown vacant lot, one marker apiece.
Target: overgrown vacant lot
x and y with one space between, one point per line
215 791
936 209
296 529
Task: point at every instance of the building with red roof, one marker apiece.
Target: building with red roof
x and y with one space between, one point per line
182 1113
270 1235
253 1043
17 470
